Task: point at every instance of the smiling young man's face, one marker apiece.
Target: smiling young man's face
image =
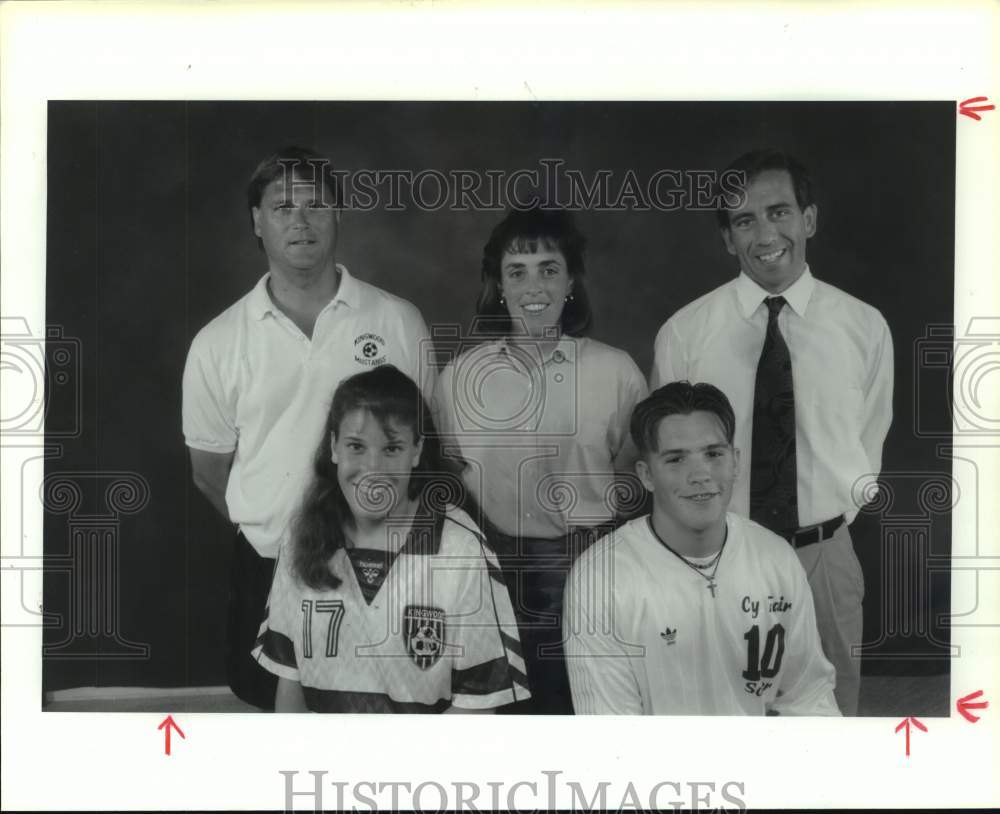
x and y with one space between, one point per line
690 473
769 232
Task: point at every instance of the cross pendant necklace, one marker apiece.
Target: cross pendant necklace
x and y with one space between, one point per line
698 569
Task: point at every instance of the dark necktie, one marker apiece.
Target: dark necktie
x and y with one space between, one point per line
773 497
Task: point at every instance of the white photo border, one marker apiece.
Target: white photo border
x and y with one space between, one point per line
648 51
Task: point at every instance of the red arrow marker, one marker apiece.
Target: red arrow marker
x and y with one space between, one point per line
169 722
963 705
906 722
970 107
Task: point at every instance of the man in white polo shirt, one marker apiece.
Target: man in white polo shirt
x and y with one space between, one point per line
259 379
809 371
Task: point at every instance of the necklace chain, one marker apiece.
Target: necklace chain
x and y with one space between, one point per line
698 569
704 566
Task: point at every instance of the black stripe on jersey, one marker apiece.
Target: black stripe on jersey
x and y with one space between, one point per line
483 679
365 702
512 644
278 647
519 678
495 573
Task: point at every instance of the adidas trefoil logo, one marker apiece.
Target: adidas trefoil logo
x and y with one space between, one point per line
668 635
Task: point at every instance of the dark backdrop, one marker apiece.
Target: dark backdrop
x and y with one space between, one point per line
148 239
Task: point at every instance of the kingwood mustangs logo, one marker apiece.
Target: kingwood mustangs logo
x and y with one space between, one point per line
369 350
423 634
668 635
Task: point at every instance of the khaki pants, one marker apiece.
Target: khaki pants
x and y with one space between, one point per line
838 589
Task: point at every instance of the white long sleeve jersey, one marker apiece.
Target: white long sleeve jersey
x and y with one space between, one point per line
645 635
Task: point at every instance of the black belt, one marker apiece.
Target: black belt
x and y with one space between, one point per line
807 535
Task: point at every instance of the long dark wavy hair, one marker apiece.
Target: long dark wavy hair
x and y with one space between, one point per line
531 230
394 400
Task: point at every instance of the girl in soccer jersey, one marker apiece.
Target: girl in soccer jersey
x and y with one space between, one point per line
540 414
385 599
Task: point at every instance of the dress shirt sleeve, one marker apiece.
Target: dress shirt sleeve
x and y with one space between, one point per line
669 356
208 415
600 673
878 395
808 679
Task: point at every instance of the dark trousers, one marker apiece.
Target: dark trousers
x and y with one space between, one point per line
249 585
535 571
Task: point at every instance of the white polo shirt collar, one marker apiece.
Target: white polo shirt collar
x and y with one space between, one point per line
260 303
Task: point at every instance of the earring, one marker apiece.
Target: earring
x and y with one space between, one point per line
569 297
502 300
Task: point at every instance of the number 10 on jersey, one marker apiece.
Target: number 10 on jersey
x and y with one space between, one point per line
767 665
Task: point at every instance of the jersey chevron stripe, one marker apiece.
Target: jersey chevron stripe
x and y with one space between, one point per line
512 645
277 647
520 678
482 679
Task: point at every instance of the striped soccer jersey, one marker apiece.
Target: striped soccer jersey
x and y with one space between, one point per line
439 632
645 635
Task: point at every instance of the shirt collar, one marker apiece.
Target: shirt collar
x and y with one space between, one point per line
348 292
797 295
260 301
565 350
424 536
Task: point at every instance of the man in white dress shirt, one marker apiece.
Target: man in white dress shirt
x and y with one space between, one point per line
809 370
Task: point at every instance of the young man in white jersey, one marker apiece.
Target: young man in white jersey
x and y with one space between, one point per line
692 610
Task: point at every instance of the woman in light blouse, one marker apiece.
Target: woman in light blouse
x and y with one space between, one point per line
539 414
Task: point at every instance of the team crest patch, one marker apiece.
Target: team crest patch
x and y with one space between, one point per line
369 350
423 634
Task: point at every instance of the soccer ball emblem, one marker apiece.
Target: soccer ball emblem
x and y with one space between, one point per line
425 642
369 349
423 633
